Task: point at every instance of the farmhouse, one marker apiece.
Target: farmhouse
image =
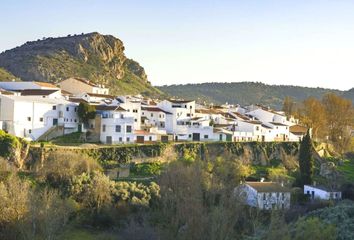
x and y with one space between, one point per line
264 195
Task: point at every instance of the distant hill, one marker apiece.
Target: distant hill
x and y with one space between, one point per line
247 93
97 57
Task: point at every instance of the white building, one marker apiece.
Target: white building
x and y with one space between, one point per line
76 85
322 193
116 125
18 86
132 105
153 116
264 195
33 117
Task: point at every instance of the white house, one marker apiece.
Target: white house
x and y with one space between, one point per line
180 109
116 124
32 117
322 192
156 117
264 195
297 132
132 105
77 85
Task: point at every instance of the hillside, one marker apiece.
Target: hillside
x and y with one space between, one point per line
5 75
97 57
247 92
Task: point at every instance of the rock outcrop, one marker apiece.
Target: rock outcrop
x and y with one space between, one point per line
97 57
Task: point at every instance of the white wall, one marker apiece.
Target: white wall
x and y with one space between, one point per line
110 124
321 194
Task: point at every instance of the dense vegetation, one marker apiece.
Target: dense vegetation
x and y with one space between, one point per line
246 93
67 196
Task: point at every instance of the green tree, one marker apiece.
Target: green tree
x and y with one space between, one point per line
314 229
86 112
306 161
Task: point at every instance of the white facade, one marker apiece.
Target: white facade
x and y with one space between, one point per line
180 110
319 192
264 195
31 117
117 126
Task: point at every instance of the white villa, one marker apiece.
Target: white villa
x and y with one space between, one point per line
264 195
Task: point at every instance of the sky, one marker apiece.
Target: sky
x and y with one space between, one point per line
299 42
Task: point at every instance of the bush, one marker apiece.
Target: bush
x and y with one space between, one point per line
61 167
146 169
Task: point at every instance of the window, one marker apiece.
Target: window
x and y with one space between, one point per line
190 135
129 129
75 120
128 139
29 119
118 128
120 139
54 107
188 114
143 113
150 138
135 120
67 109
151 114
159 115
264 196
257 128
29 130
206 136
103 128
75 109
135 110
41 119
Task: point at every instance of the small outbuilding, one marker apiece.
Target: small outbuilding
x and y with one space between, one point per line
322 192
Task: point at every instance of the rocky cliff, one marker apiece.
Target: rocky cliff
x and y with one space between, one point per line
97 57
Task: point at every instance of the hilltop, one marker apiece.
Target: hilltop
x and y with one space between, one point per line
248 93
94 56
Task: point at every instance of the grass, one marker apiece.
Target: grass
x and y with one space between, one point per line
68 139
347 169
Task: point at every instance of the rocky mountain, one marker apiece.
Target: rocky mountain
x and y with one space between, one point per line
248 93
97 57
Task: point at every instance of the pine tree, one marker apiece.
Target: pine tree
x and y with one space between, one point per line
306 161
